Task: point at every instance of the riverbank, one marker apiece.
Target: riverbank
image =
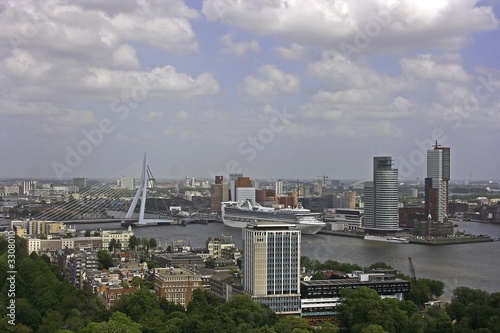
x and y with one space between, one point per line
435 241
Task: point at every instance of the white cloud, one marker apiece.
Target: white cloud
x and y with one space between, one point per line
363 129
344 72
270 84
295 52
238 49
426 66
182 115
125 57
402 25
46 119
153 116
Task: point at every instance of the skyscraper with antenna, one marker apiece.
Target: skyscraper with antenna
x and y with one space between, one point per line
436 183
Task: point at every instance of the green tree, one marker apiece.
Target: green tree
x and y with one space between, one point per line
133 242
241 309
152 244
112 245
437 320
209 263
52 322
372 328
87 233
317 276
326 327
136 281
289 324
145 244
198 303
468 296
363 306
104 259
118 323
26 314
137 305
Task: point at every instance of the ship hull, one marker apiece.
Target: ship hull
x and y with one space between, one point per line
306 229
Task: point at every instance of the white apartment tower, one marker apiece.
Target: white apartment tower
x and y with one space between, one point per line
278 187
271 273
381 197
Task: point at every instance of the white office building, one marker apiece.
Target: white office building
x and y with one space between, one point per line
271 273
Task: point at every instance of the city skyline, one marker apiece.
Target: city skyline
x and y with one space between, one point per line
268 89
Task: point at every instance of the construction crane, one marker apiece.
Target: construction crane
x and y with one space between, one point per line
325 177
415 285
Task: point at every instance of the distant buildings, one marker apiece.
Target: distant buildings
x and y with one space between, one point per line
271 267
381 197
11 190
51 244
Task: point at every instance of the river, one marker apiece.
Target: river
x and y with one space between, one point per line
474 265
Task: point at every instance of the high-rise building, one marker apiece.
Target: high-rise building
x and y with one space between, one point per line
219 192
271 262
350 197
233 177
278 187
128 183
436 183
79 183
381 197
28 185
243 189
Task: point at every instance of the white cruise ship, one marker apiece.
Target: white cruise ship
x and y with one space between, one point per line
238 214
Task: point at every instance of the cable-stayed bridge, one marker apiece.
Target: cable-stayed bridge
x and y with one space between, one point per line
105 202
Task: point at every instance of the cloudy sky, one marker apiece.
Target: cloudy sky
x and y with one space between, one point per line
273 89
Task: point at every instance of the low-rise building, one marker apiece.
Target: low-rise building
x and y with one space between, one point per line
222 283
320 298
39 245
216 245
111 295
344 219
121 236
176 284
184 259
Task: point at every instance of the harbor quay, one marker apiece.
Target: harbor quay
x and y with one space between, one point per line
451 240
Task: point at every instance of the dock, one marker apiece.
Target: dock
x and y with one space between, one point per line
414 240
